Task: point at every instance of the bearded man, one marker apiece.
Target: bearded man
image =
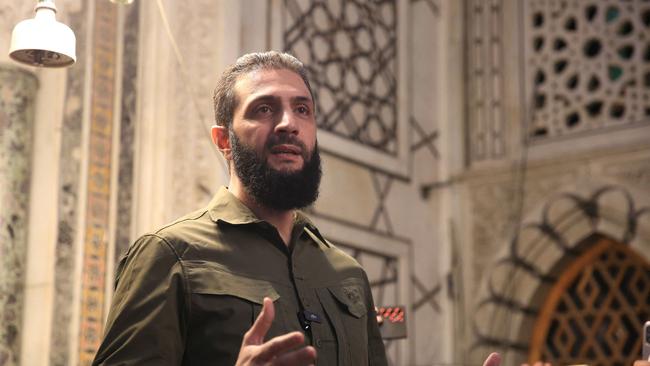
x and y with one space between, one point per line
248 280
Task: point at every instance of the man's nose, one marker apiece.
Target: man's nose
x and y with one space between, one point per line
288 123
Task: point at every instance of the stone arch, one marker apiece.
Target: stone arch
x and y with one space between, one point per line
593 312
552 233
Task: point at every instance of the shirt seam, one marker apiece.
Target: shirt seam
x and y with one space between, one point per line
178 222
248 276
186 281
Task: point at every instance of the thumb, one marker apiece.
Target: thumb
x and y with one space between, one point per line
494 359
257 332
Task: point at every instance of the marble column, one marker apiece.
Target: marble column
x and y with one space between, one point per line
18 89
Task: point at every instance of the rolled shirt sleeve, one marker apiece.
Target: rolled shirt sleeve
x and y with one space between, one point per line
147 323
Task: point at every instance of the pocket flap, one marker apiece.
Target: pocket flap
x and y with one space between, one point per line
352 296
210 279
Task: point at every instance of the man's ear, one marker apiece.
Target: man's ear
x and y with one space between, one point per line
221 139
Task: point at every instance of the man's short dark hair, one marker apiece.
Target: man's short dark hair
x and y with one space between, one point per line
225 98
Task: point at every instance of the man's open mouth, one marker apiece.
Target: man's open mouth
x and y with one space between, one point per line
286 149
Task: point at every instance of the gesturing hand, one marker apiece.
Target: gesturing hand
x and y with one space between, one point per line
494 359
284 350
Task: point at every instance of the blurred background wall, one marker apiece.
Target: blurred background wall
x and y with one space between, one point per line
487 161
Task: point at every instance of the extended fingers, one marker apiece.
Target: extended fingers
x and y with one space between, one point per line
494 359
255 335
279 345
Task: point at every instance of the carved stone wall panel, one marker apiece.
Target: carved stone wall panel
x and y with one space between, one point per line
493 210
424 103
350 49
486 120
524 268
575 226
494 205
634 172
352 66
544 182
18 90
588 65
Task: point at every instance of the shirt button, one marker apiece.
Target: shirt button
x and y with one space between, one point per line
319 343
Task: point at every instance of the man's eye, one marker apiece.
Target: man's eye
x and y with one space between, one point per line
264 109
302 110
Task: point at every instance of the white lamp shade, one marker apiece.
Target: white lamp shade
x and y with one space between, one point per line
43 41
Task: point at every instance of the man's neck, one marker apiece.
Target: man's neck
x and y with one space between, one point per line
282 220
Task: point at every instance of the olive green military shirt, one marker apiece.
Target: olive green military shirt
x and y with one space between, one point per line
186 294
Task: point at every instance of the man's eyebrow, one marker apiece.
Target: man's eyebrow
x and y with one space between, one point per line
301 99
275 98
264 98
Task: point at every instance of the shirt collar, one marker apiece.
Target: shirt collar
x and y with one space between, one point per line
311 229
225 207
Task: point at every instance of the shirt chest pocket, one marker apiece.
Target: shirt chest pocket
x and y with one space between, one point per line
345 306
225 305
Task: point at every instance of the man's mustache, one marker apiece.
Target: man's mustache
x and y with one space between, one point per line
285 139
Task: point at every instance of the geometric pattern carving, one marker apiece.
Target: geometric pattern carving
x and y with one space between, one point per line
594 312
587 64
350 50
497 308
486 123
425 139
381 212
427 296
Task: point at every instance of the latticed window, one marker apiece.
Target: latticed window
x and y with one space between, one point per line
350 50
595 312
588 64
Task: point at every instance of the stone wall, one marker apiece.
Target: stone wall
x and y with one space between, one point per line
18 90
565 162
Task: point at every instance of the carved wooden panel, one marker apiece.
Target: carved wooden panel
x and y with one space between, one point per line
595 311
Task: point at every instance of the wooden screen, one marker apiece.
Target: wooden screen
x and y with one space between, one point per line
595 312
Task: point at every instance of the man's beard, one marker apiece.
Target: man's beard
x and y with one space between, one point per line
272 188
